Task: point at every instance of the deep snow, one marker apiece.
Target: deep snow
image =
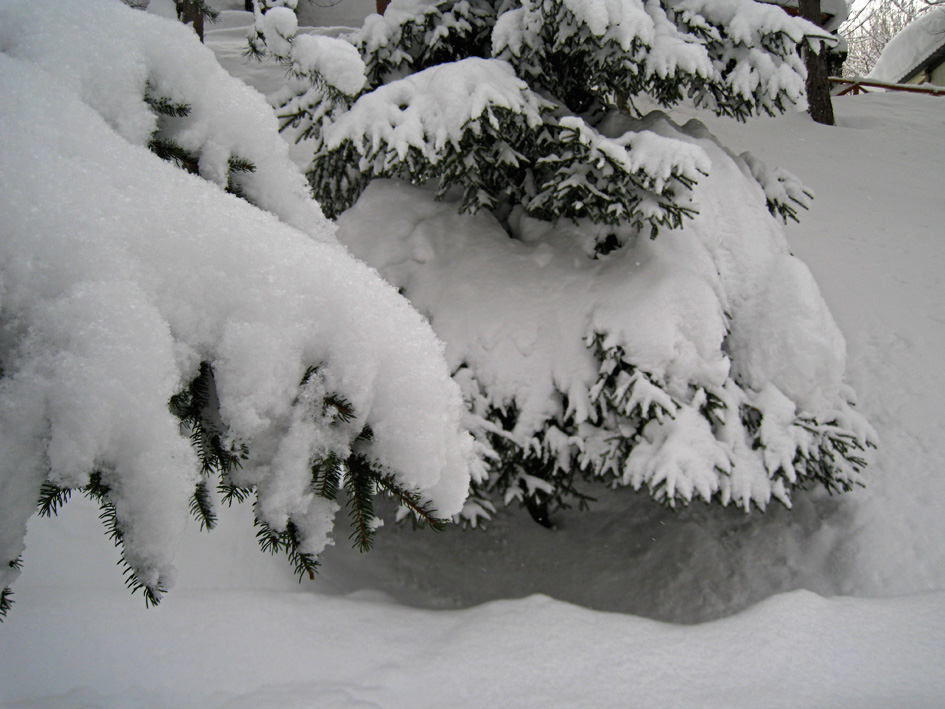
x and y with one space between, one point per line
238 631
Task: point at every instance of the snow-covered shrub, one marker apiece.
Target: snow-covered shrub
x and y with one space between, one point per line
160 338
645 325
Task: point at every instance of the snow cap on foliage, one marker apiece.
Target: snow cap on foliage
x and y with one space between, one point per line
716 316
226 119
333 61
431 108
122 273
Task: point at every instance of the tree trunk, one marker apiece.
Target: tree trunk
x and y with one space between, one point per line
818 87
188 12
381 5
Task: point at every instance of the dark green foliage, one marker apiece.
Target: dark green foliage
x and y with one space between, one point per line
287 542
172 152
420 512
562 168
359 486
171 121
6 601
164 106
609 192
488 164
442 32
51 499
629 408
237 166
326 476
836 450
201 507
196 407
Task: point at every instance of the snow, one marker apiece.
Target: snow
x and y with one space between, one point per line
297 650
238 630
716 307
429 110
323 58
913 45
121 273
838 10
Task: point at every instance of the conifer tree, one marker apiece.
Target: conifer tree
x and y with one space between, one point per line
540 112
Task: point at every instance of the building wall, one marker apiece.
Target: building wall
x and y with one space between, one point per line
934 75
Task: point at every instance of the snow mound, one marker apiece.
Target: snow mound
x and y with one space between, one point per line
549 345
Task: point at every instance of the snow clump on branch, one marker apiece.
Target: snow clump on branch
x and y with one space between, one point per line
142 305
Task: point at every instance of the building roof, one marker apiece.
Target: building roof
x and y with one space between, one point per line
834 11
919 44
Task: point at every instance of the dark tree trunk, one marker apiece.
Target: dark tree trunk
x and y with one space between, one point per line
381 5
189 13
818 87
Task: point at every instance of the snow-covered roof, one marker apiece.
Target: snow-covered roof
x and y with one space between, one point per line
909 50
835 10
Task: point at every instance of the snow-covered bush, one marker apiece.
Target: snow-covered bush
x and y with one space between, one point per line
160 338
645 325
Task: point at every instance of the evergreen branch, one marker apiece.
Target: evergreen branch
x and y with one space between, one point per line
288 542
326 476
6 602
341 407
98 491
411 501
201 506
191 406
231 492
170 151
51 499
359 484
16 564
164 106
238 164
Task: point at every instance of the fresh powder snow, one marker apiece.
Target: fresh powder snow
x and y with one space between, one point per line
239 631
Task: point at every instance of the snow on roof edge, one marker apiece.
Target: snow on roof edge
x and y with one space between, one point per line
918 42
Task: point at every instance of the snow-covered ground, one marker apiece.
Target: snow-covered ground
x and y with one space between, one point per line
838 602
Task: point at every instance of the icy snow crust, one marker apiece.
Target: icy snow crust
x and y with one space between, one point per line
120 273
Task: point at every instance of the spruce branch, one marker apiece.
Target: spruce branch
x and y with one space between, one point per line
287 542
99 491
359 485
326 476
421 511
6 602
168 150
231 492
51 499
164 106
201 507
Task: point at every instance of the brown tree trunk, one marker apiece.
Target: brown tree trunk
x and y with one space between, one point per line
381 5
188 12
818 87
